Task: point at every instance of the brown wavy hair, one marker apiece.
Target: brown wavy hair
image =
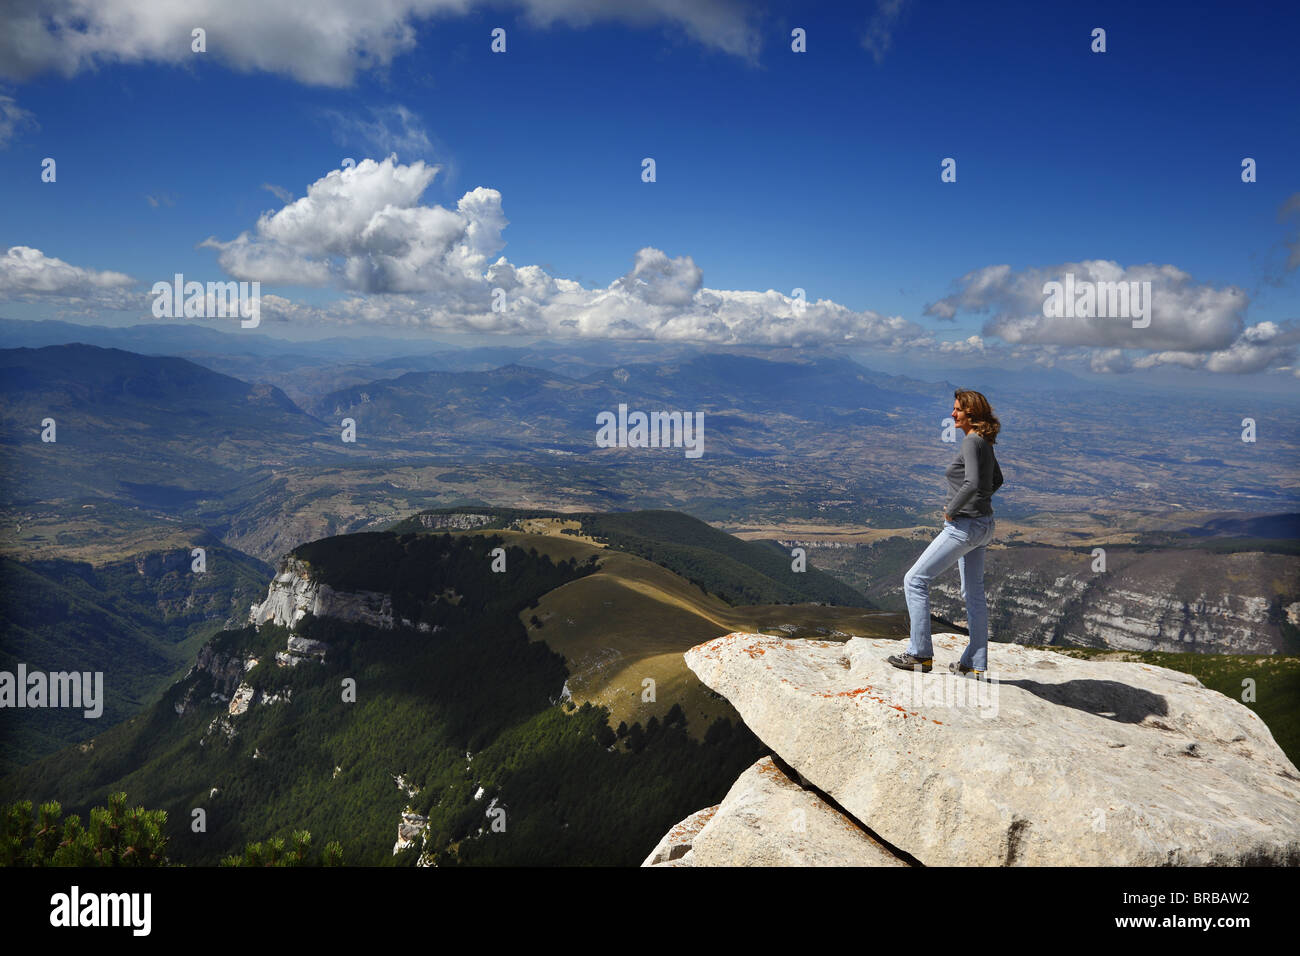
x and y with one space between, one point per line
980 413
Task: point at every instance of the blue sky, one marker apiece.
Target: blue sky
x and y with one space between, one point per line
775 170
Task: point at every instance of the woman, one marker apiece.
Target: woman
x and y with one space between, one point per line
967 529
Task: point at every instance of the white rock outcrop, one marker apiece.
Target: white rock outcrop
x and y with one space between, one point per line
408 788
295 592
219 725
409 830
243 697
1058 761
300 649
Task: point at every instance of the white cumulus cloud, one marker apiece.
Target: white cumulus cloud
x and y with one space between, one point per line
322 42
26 272
365 231
363 228
1192 324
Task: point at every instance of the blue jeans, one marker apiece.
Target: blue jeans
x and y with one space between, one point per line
963 541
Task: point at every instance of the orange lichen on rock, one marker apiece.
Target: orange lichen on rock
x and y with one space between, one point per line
849 693
861 692
692 825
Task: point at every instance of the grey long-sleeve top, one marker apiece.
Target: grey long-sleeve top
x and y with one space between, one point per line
973 478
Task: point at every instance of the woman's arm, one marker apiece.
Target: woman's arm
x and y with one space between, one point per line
971 476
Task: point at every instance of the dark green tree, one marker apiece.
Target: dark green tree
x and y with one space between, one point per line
636 738
116 836
297 852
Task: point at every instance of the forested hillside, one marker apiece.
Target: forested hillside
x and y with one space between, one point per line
468 715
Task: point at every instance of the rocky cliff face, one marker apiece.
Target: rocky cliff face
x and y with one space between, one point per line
1174 599
291 596
462 521
1057 761
1154 601
295 592
226 670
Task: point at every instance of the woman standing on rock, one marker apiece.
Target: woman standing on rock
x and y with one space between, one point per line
967 529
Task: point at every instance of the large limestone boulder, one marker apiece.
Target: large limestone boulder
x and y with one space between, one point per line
1058 761
767 819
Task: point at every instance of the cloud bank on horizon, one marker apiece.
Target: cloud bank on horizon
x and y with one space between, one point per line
363 230
366 234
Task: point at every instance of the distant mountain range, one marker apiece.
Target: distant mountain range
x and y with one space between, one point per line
177 338
145 442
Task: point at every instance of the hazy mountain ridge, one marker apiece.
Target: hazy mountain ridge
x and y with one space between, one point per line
797 439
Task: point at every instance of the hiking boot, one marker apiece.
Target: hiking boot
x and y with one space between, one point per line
956 668
907 662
